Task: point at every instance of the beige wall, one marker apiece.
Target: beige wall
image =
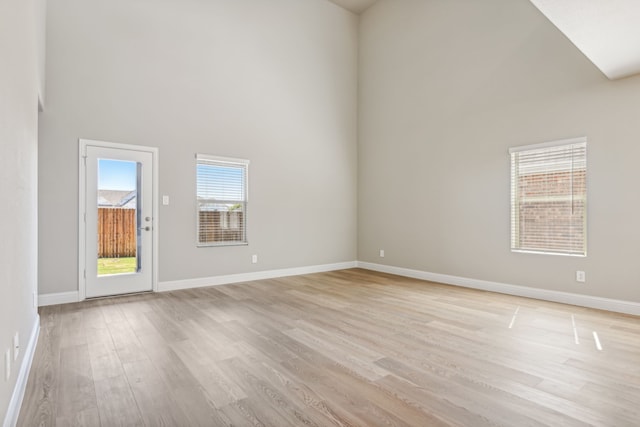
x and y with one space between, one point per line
445 89
18 182
274 82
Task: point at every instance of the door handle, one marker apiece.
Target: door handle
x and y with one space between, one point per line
147 228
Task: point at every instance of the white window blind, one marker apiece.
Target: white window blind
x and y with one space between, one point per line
221 200
549 197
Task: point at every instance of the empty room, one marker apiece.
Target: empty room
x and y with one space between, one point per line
319 213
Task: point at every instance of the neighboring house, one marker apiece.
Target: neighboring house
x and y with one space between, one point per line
117 199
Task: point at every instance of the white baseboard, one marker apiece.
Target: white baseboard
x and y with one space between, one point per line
58 298
69 297
15 403
247 277
619 306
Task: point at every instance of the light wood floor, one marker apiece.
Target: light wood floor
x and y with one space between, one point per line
348 348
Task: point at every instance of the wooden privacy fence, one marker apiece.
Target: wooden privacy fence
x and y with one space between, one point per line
116 232
219 227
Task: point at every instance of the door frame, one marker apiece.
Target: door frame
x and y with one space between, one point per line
82 191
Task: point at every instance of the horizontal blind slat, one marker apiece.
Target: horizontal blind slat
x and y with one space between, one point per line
548 198
221 199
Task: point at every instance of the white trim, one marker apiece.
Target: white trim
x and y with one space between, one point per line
59 298
82 229
619 306
11 419
82 184
74 296
219 159
156 218
247 277
542 252
580 140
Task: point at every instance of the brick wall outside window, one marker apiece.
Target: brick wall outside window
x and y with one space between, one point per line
549 196
551 211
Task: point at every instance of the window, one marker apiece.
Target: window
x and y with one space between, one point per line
222 200
549 197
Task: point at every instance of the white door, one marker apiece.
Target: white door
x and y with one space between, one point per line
118 218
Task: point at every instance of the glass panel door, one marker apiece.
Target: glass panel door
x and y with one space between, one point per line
118 217
119 220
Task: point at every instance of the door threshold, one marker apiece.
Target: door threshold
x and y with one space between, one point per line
118 295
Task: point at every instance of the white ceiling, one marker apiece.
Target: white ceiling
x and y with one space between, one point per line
355 6
606 31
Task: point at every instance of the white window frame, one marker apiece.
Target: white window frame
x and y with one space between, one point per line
205 159
514 218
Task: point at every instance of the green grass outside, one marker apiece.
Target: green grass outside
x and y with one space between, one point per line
116 265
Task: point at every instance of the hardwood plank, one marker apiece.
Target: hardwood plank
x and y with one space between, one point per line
210 375
116 404
76 391
105 362
345 348
185 388
86 418
153 397
39 403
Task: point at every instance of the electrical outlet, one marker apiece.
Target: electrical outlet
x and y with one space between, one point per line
7 365
16 346
381 253
580 276
254 259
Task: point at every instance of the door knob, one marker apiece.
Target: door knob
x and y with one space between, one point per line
147 228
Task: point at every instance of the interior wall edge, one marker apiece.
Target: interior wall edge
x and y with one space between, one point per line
21 384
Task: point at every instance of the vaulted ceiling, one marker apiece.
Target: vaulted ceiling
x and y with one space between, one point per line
606 31
355 6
